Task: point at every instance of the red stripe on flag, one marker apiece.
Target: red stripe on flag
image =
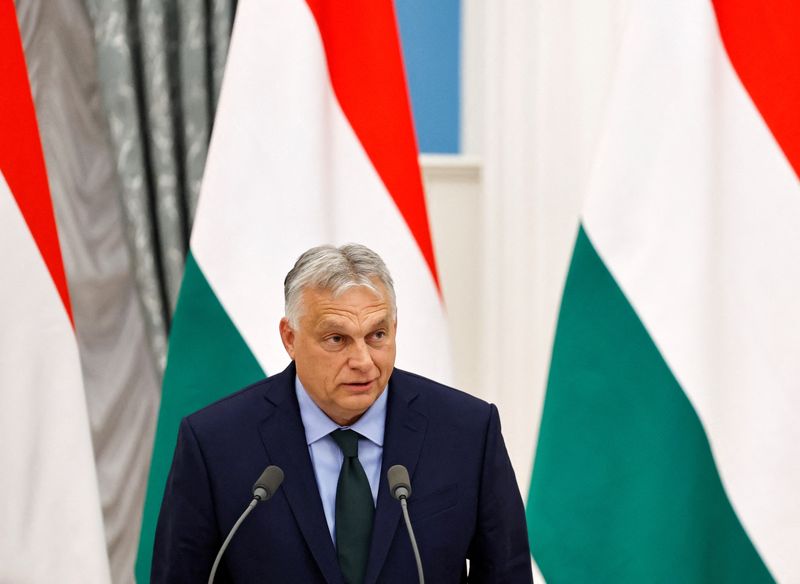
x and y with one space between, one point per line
762 39
21 158
366 70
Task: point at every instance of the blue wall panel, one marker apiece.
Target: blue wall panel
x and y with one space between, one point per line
430 32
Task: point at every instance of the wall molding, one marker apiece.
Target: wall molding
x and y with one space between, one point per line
457 168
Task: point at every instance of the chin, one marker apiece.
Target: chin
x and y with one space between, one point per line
355 405
362 401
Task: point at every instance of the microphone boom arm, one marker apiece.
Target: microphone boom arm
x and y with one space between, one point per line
404 506
228 539
400 488
265 487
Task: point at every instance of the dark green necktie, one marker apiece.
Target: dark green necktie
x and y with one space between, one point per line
354 510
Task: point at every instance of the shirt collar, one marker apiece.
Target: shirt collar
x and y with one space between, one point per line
317 424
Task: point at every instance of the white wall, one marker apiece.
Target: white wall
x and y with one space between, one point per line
535 76
453 188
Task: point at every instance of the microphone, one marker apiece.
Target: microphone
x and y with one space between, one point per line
268 483
399 483
400 488
263 489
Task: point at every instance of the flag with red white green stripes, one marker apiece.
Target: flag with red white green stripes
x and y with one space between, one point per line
669 447
51 524
313 143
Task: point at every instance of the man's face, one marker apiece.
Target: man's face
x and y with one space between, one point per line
344 349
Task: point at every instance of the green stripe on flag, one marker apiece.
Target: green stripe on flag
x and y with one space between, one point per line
625 488
207 360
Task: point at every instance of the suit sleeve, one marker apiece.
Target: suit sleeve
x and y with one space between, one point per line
187 538
499 551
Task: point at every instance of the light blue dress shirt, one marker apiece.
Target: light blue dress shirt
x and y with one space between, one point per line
326 456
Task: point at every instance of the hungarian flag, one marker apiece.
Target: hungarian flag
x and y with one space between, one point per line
51 527
669 448
313 143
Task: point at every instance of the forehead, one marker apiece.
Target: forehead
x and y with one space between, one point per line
357 302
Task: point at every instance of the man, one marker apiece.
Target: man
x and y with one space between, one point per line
335 420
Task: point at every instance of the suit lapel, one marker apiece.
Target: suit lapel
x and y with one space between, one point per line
285 440
403 439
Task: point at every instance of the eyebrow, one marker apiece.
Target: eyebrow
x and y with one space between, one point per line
330 323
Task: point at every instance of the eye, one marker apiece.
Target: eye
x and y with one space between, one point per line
379 335
333 342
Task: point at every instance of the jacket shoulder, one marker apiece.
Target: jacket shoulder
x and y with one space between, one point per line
442 400
243 404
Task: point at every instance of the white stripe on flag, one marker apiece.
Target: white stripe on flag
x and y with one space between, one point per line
696 212
287 172
50 520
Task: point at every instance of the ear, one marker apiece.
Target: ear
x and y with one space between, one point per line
287 336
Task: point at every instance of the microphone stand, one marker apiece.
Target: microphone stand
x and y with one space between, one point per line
228 539
404 507
400 488
265 487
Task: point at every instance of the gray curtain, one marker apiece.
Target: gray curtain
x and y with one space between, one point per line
125 92
160 65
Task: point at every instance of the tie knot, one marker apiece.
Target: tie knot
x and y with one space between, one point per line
347 441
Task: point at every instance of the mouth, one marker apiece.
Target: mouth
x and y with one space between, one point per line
359 386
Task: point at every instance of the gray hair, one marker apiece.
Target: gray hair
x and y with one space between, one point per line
335 269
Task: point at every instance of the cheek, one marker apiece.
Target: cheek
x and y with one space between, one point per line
385 360
319 364
336 370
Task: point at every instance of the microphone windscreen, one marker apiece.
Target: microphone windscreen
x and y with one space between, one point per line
270 480
398 479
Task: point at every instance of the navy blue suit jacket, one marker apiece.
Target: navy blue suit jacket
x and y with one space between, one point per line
465 501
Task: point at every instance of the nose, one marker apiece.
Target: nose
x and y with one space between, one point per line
360 357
